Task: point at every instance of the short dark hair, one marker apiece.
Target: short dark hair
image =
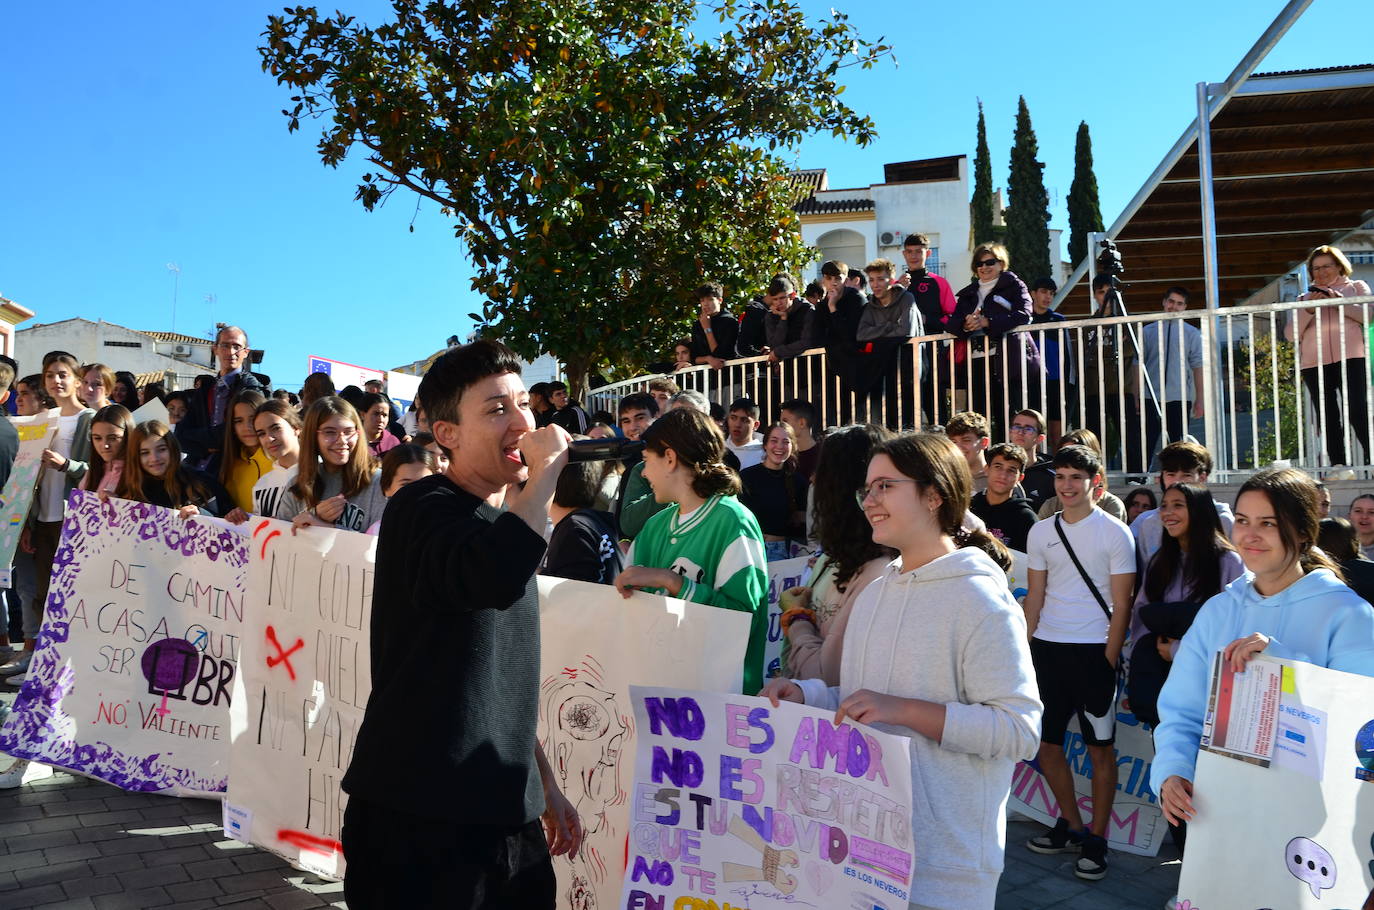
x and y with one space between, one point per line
1008 451
804 410
711 289
1180 291
1045 284
455 371
557 386
578 484
916 240
638 401
1032 412
814 289
404 454
834 268
1080 458
858 273
1102 281
700 448
781 285
1337 538
370 400
1185 456
539 388
747 405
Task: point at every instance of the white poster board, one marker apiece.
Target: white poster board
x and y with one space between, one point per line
153 409
304 680
741 804
133 673
1300 833
782 574
35 435
596 645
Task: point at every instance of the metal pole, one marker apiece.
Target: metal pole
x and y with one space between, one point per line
1210 393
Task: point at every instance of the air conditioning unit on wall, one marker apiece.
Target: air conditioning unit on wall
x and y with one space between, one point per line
182 351
890 238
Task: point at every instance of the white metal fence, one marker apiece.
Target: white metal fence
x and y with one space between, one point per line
1260 391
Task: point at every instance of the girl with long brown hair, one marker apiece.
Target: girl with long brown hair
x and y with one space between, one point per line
337 483
153 473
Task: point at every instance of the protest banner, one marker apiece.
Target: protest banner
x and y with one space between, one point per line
1300 832
597 644
1137 825
736 803
35 435
131 679
305 674
344 374
782 574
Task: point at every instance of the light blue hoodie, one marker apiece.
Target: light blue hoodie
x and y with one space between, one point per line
1317 619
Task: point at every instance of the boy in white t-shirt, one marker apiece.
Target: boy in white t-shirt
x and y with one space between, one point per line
1077 633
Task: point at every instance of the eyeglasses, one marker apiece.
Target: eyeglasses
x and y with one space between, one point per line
987 263
1325 266
230 346
332 436
877 489
1025 428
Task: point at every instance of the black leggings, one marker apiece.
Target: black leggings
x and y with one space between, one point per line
1337 379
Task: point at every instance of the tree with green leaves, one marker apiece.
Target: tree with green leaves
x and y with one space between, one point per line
1028 204
980 208
1085 213
599 160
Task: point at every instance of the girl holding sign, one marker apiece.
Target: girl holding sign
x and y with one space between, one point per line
1292 603
936 649
336 482
153 473
707 548
278 428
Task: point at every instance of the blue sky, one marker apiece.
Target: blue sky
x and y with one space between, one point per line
142 133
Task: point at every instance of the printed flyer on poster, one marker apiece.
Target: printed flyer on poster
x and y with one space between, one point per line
737 803
1243 710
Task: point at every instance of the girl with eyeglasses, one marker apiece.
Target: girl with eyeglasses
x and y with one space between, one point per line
936 650
337 483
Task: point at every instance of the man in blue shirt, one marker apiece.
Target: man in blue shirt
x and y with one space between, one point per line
1172 352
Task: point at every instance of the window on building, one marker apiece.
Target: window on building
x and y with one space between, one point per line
123 344
933 263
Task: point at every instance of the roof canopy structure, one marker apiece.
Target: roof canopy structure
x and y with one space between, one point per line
1293 168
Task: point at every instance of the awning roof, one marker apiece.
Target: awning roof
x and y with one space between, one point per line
1293 167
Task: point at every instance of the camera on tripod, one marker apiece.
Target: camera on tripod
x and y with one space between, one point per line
1109 260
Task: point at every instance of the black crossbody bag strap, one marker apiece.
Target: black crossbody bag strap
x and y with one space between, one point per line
1097 595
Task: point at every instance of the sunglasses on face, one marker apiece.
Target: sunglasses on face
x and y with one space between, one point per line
987 263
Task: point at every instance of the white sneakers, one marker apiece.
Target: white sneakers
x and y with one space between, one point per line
22 772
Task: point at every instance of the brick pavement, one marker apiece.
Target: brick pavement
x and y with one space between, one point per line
76 844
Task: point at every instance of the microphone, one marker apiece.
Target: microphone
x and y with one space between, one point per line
614 449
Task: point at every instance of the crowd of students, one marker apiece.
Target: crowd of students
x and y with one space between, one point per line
905 621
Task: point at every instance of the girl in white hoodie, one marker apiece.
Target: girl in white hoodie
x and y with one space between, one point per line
936 649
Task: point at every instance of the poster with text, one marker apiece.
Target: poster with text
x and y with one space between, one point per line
1299 833
596 645
1136 825
132 676
303 682
737 803
35 435
782 574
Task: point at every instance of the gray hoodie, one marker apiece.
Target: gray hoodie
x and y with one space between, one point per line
950 633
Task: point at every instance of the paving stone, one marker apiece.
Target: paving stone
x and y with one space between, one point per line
26 860
251 881
49 839
134 900
295 900
259 860
90 887
79 903
148 878
211 868
29 897
180 856
185 891
106 817
55 874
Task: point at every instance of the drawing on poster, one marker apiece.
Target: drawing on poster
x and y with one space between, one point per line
1364 752
586 731
1310 863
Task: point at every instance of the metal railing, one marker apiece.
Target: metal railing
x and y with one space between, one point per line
1268 405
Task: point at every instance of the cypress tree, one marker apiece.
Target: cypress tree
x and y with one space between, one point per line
1085 213
1028 205
980 209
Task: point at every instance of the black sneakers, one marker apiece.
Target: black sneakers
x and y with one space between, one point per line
1059 839
1092 861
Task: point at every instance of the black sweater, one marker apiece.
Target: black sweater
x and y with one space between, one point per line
455 662
583 547
720 343
1008 521
775 497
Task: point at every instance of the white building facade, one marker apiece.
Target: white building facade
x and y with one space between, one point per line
164 357
858 224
